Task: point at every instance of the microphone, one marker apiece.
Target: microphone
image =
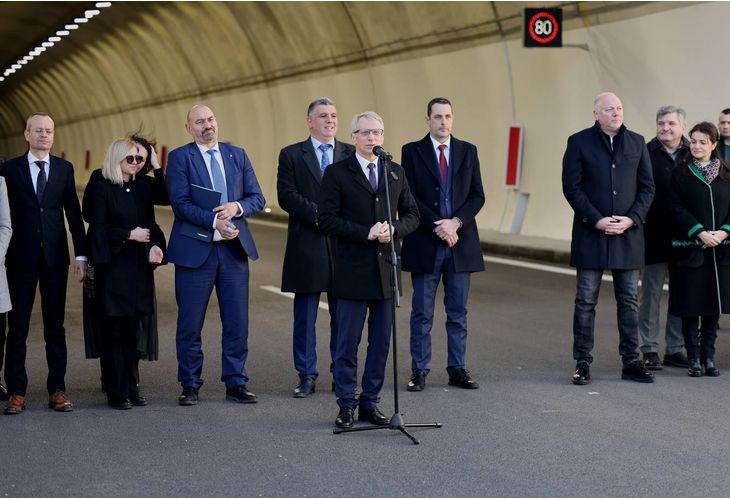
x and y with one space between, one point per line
381 153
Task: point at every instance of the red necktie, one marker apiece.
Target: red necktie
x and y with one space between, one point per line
443 165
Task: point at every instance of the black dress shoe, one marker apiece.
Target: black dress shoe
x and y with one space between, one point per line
694 369
137 400
637 372
677 359
4 396
241 395
372 415
189 397
120 405
652 362
345 418
305 388
582 374
461 378
417 382
710 368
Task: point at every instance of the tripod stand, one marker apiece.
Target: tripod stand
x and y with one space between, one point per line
396 421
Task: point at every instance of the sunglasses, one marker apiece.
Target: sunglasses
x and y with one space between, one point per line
134 159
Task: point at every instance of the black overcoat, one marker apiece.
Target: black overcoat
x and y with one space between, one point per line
308 256
659 226
699 281
599 181
467 198
123 278
348 208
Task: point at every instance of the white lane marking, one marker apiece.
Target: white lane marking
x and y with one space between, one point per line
277 290
546 268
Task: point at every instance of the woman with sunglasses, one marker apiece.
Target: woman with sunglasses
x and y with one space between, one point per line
126 246
699 283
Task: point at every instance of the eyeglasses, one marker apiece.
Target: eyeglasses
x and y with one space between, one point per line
377 132
134 159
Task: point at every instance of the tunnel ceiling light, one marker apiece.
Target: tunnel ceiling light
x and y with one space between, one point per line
53 39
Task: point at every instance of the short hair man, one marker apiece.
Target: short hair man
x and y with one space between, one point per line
41 190
723 125
663 150
353 208
445 179
307 269
214 253
607 181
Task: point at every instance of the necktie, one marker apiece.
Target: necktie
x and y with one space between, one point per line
325 157
371 176
219 183
40 185
443 165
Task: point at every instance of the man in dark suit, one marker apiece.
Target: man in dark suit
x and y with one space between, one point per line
41 189
307 269
444 176
211 248
353 207
607 180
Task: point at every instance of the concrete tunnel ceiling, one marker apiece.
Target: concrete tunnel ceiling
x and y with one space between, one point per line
139 54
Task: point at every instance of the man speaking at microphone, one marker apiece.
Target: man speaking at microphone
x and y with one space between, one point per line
353 208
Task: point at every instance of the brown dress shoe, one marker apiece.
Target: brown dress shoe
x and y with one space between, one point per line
16 405
59 401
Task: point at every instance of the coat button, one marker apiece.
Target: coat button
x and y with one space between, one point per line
437 188
585 219
613 165
615 193
377 199
435 204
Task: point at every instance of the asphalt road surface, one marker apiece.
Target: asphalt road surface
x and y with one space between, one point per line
526 432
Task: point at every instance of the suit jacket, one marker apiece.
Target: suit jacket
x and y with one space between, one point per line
600 181
38 227
348 208
185 166
308 256
467 198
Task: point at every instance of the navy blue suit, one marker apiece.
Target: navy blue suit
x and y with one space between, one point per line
201 264
428 258
348 208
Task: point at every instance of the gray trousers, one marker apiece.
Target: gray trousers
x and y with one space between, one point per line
652 281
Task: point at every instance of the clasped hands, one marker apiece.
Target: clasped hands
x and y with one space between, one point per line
380 231
614 225
712 238
223 223
142 235
446 230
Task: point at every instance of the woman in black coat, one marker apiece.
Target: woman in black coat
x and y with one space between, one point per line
126 245
699 285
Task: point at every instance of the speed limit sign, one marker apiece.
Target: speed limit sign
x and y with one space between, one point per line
543 28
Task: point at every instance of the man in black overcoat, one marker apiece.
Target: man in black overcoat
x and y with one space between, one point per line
607 180
41 190
307 269
353 207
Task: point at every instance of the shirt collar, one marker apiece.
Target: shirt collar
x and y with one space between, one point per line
32 159
436 143
316 143
364 162
204 149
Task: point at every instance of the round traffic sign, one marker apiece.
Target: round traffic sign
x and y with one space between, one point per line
543 27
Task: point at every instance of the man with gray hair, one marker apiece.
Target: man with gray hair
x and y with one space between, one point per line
353 207
307 269
663 150
607 181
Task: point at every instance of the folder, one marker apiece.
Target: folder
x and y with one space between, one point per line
206 199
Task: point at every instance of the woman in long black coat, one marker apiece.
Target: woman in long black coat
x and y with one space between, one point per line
699 285
126 245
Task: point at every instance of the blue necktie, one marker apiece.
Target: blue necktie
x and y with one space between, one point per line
40 185
219 183
371 176
325 157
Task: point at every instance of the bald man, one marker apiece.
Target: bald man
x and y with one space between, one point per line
607 179
210 246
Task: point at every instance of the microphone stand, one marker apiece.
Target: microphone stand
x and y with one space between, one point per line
396 421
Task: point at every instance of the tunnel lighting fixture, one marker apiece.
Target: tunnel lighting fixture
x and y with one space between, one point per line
53 39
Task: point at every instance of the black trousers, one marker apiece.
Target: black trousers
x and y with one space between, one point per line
119 357
22 284
699 338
